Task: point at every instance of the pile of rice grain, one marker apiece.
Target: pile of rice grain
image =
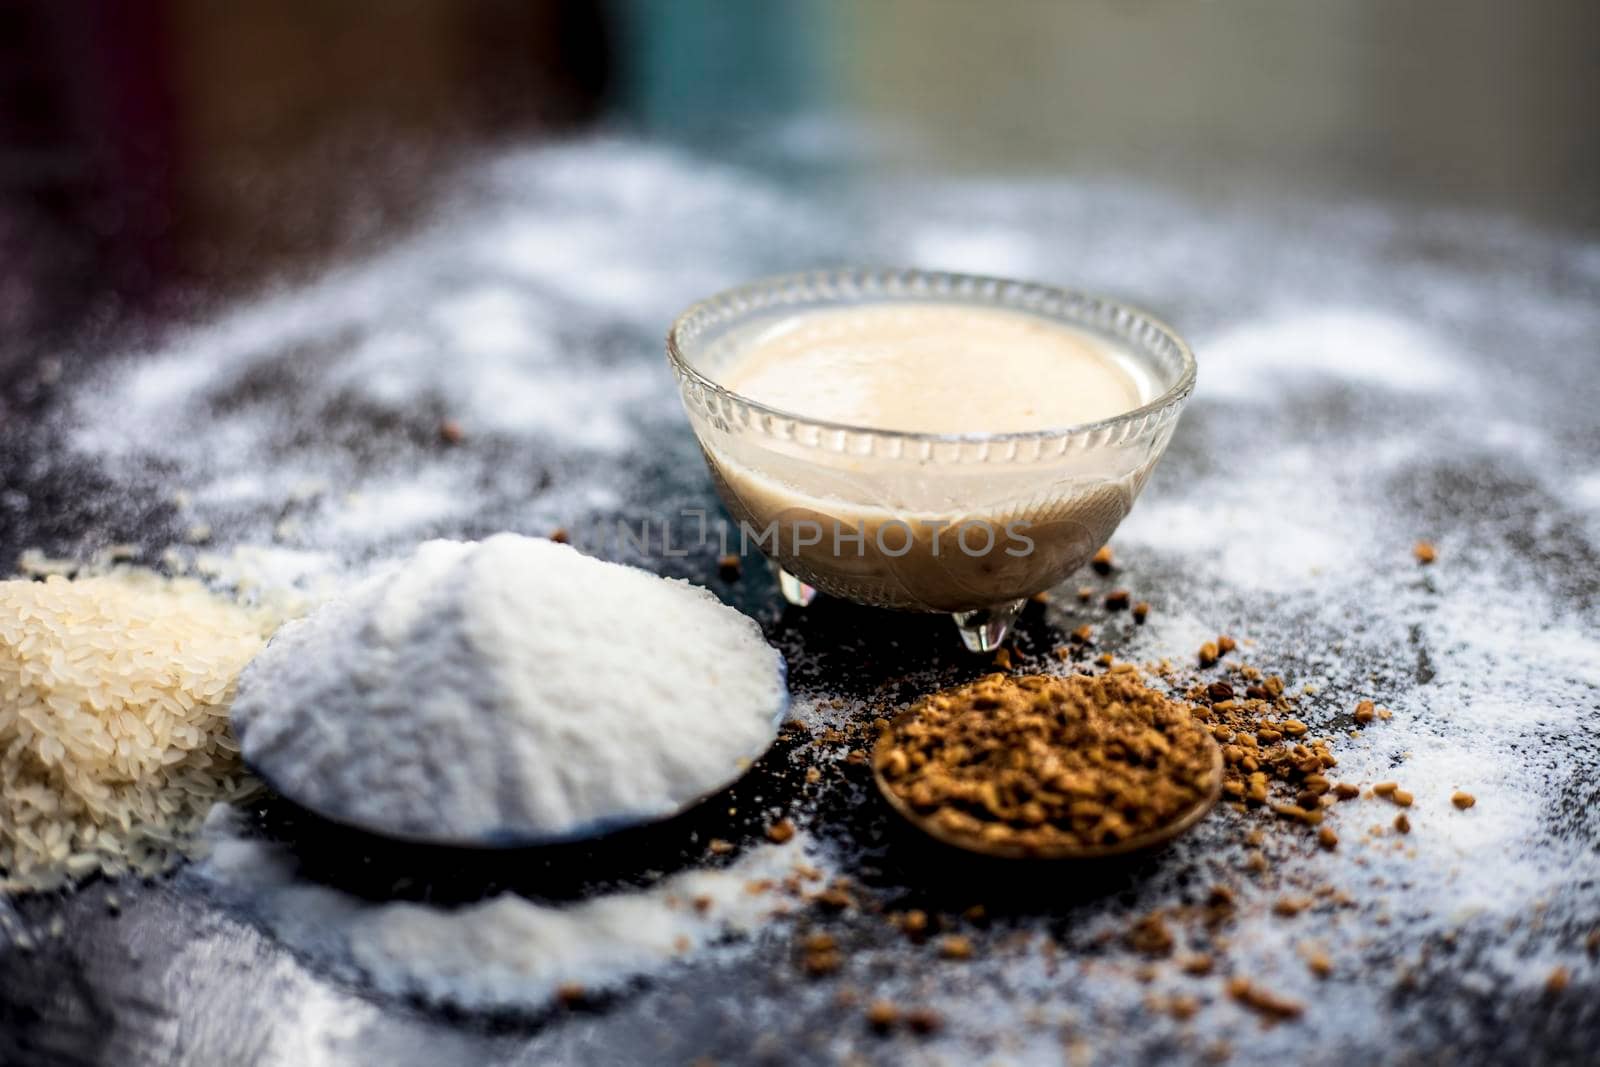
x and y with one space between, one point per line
114 694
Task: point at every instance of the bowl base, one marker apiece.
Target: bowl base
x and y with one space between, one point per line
982 630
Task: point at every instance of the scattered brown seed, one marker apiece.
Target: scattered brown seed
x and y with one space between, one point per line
728 567
834 898
1042 597
882 1015
1225 644
1261 1001
1384 789
1219 691
1117 600
1141 611
1365 711
1208 654
1102 561
924 1021
956 947
450 432
1002 659
813 775
702 904
1320 964
1288 907
1463 800
914 922
820 964
560 536
1183 1007
1327 838
781 831
1151 936
1084 635
1309 816
571 994
1558 980
1402 824
718 847
1425 552
1346 791
1402 798
1198 964
1085 593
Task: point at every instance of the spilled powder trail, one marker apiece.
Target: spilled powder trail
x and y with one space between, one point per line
506 952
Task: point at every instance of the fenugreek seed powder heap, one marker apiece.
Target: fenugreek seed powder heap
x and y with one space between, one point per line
1048 764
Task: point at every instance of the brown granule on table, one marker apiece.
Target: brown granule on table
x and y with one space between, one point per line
956 947
1327 838
1289 907
780 832
923 1020
1225 644
1558 980
1038 762
1384 789
1208 654
571 994
718 847
560 536
821 955
1262 1001
450 432
1102 561
1402 824
1425 552
1085 593
882 1015
1197 964
1319 964
1118 600
836 897
728 567
1463 800
1002 659
1141 611
1183 1007
1084 635
1151 936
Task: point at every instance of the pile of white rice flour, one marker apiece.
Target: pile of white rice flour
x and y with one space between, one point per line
509 691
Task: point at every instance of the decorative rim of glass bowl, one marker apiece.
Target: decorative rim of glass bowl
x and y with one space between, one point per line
728 409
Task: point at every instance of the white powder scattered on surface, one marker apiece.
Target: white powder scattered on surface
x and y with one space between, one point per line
506 952
1259 360
460 696
1447 396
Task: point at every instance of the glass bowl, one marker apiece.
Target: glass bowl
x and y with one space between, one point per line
971 524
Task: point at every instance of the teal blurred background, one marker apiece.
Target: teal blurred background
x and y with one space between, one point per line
155 147
1479 102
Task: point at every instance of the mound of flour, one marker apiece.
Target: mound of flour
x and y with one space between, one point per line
512 690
